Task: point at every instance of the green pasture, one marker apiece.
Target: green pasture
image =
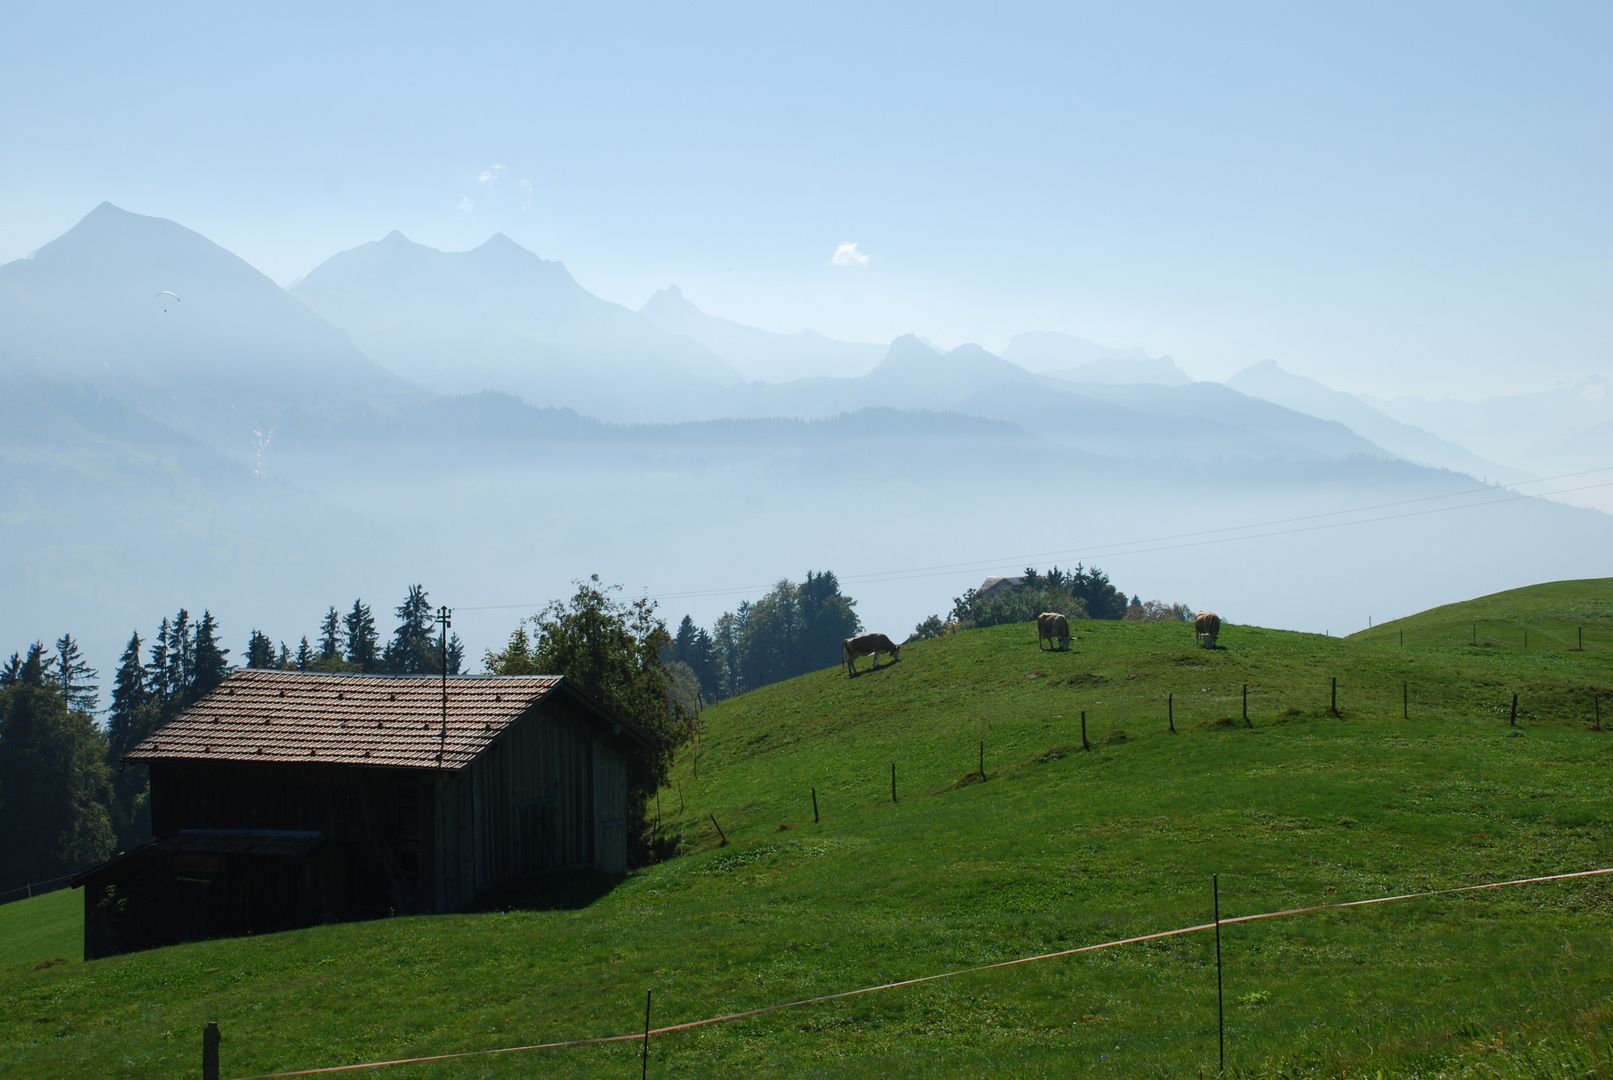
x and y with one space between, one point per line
1056 846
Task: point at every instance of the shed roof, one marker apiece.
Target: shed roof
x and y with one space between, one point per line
315 718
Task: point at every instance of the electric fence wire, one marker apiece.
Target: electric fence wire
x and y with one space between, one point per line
747 1013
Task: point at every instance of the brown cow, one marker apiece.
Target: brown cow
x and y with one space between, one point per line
1053 627
867 645
1206 627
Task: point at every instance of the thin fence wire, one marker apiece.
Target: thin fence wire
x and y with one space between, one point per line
763 1010
37 888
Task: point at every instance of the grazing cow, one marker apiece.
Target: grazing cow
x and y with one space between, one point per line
1207 625
867 645
1053 628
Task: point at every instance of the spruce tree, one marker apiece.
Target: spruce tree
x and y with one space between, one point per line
330 636
362 643
305 655
411 650
456 654
209 668
181 657
128 695
259 650
10 671
283 661
76 677
133 715
157 684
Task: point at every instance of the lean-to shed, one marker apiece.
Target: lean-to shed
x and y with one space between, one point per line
285 799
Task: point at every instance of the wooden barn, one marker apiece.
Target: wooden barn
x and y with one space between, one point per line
286 799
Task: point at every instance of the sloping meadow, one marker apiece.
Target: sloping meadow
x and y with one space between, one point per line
1057 845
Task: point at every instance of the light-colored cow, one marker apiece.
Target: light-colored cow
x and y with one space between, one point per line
1054 629
1207 626
867 645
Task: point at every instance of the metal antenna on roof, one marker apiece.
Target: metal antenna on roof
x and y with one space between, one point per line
445 615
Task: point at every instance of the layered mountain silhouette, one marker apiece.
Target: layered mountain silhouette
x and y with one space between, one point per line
759 354
1079 360
177 429
501 318
1200 421
222 353
1269 382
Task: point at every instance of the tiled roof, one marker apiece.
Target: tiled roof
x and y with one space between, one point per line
315 719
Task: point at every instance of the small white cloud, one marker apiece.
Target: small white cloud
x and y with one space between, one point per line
848 255
466 203
526 194
487 176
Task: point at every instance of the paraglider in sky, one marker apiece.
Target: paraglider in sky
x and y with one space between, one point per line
164 293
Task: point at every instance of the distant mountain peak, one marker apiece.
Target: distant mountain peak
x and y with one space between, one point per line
760 354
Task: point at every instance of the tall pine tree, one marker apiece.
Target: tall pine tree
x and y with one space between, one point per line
209 666
128 695
412 650
134 714
157 669
181 658
362 644
77 678
330 636
305 655
259 650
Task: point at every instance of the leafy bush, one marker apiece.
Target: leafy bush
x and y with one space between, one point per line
1078 594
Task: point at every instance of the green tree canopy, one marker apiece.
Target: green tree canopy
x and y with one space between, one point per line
54 783
611 651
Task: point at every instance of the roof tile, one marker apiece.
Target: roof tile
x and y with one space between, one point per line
378 720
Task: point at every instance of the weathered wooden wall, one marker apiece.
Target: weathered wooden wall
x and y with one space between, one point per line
548 795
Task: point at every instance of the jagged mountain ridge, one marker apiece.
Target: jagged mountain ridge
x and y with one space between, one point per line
760 354
499 317
230 356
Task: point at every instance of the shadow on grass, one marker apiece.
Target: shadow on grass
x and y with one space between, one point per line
559 890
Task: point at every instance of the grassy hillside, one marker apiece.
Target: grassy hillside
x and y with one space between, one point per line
44 929
1056 846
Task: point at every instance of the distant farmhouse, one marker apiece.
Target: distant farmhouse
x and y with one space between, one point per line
286 799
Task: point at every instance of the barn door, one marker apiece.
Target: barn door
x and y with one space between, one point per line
536 823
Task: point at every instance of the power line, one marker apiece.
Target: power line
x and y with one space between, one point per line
1198 538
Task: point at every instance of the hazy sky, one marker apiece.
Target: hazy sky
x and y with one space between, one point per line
1393 198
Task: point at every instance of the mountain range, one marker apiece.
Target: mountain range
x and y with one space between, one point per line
177 429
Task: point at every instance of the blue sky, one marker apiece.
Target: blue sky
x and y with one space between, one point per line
1393 198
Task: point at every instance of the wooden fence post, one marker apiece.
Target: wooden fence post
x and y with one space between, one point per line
1333 707
814 806
1513 721
1084 744
1246 706
1170 711
644 1071
210 1041
720 833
